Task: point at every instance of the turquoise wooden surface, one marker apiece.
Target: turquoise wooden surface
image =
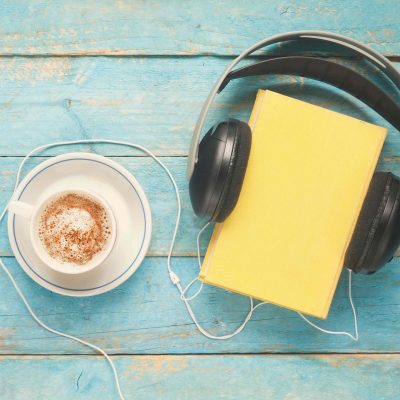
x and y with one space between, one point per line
50 99
140 71
194 27
203 377
145 316
158 189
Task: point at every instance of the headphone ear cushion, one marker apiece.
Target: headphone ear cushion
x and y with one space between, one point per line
368 220
236 172
219 171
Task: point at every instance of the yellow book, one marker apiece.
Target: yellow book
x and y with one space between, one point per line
307 176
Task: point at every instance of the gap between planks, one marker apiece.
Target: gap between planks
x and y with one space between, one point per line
392 58
202 355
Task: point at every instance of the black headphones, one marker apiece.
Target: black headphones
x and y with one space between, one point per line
217 166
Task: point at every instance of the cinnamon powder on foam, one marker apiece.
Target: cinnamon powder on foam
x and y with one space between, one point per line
74 228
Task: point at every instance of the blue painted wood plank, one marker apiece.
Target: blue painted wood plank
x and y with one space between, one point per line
259 341
47 99
364 377
153 101
156 27
158 189
145 316
160 194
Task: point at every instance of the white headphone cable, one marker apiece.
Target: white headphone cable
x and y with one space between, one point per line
19 292
252 307
350 335
173 276
59 333
199 263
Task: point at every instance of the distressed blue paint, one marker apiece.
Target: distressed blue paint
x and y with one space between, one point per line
158 189
152 101
157 27
155 101
145 316
196 377
160 194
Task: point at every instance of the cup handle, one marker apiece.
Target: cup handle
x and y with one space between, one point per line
20 208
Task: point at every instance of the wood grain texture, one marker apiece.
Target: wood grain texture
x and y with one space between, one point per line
126 27
160 194
154 63
201 377
152 101
158 189
145 316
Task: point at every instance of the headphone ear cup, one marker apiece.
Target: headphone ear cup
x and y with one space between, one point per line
220 168
370 225
236 173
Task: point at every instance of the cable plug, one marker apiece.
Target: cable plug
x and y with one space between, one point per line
174 277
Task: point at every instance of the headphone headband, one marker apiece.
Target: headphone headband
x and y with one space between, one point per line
329 72
373 56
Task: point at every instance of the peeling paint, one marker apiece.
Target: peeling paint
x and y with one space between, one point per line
6 336
160 365
33 70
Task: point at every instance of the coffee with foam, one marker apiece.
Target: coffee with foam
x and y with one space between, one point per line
73 228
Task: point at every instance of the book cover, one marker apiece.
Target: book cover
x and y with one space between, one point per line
307 176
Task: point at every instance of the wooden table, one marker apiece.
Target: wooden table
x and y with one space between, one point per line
140 71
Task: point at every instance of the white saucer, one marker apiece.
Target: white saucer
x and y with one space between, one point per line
124 195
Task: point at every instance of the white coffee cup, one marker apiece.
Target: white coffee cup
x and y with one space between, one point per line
32 213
